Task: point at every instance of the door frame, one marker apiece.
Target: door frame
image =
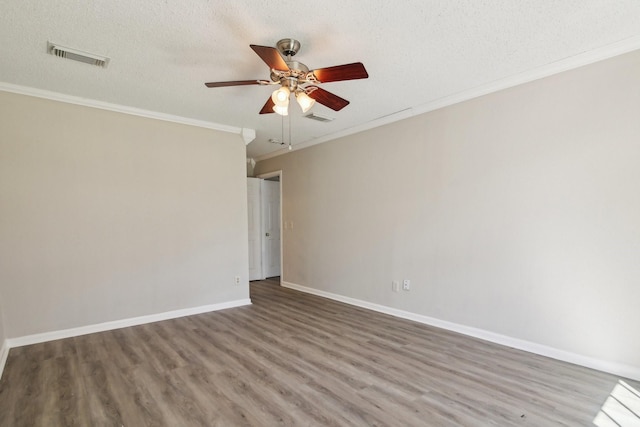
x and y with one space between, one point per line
265 176
256 236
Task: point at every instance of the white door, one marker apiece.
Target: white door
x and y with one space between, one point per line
255 249
270 193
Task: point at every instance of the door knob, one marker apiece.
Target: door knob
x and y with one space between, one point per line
266 234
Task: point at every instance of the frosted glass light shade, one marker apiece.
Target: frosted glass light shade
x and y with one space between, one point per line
283 111
280 98
305 101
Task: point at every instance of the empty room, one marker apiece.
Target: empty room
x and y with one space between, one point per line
414 213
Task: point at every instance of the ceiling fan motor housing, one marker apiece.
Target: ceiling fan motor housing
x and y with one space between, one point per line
297 70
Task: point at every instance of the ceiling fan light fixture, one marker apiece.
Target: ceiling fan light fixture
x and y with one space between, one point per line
280 96
305 101
282 110
294 76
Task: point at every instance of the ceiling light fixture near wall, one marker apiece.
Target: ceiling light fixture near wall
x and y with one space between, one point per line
77 55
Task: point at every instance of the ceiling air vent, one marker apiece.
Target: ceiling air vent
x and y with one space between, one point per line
77 55
318 117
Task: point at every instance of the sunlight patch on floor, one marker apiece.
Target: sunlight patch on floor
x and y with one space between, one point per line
621 409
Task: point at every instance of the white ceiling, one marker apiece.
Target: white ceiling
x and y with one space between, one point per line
416 51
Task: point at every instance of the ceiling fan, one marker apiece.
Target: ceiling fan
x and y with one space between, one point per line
294 77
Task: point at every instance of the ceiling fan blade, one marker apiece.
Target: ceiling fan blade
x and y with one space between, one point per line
233 83
268 107
271 57
340 72
327 98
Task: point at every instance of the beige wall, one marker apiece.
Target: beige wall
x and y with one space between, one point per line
516 213
3 335
106 216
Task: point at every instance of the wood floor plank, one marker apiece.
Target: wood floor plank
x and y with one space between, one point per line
102 400
294 359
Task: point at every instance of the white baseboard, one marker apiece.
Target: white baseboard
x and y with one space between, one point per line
117 324
627 371
4 353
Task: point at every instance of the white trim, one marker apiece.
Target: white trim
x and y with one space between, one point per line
268 175
619 48
245 133
627 371
248 135
4 353
117 324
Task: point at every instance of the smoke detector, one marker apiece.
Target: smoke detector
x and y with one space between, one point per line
77 55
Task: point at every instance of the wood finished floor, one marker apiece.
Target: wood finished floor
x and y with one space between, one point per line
292 359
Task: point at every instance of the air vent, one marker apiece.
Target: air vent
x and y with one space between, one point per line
318 117
77 55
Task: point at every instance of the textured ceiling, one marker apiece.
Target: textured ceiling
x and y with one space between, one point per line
162 51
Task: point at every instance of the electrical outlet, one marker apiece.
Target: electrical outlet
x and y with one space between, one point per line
406 285
237 280
395 286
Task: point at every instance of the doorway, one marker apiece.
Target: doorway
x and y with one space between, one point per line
264 196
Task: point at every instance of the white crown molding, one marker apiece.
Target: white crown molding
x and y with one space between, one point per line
248 135
123 323
580 60
627 371
86 102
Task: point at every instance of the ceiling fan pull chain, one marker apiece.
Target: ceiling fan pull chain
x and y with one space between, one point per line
282 130
290 132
